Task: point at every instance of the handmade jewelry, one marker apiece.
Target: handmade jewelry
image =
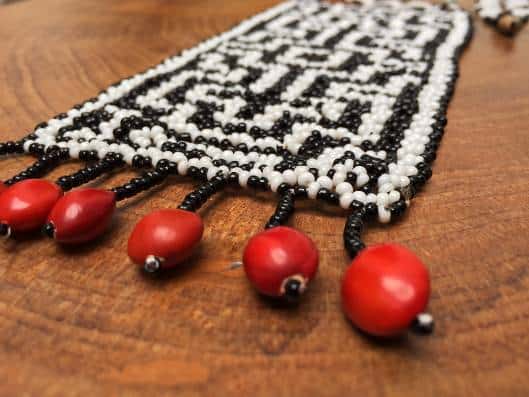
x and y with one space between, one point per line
344 104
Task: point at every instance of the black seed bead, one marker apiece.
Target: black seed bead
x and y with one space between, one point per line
398 208
357 206
283 188
270 224
422 328
138 161
233 178
353 247
293 289
300 191
193 171
4 229
333 198
323 194
41 125
253 181
48 230
186 207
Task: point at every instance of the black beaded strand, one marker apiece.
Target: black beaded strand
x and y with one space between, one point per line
11 147
146 181
110 162
43 165
194 200
285 208
353 229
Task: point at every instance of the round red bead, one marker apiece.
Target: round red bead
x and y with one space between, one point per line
276 255
384 289
82 215
168 235
25 205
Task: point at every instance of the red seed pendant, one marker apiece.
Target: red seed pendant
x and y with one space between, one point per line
280 261
81 215
2 187
384 289
165 238
25 205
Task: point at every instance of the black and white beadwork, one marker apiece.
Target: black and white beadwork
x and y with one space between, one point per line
341 103
345 102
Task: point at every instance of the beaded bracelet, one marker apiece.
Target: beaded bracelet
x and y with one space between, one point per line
344 104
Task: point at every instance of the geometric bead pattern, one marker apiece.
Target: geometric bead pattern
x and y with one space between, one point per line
340 100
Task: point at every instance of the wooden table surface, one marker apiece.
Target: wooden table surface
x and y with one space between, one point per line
85 321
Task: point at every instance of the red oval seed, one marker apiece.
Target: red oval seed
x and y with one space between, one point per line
276 255
384 289
170 236
25 205
82 215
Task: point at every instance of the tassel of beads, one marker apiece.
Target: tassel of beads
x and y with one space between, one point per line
84 214
370 301
25 201
40 197
281 261
164 239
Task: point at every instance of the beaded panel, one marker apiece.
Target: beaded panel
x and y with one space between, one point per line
348 99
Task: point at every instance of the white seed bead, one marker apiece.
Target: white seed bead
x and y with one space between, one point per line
325 182
382 199
305 179
384 215
344 187
386 188
212 172
243 178
360 196
290 177
393 196
339 177
275 182
182 167
346 199
361 180
313 189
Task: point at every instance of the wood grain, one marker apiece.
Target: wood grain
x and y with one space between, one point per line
85 322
